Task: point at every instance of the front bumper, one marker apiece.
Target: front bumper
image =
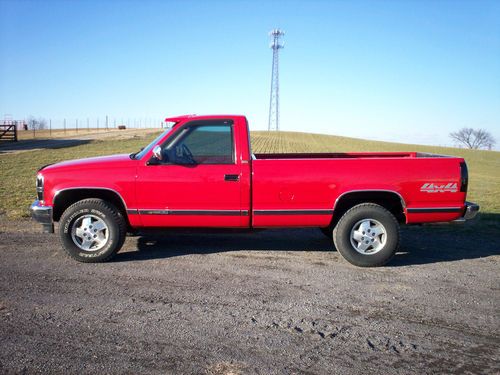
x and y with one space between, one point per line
470 212
43 214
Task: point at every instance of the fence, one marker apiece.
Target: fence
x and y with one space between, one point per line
8 132
69 126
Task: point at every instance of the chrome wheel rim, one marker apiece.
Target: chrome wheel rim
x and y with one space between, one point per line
368 236
90 233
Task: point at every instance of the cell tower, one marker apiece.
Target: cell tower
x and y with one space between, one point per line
274 100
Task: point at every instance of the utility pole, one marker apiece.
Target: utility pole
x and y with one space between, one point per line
274 98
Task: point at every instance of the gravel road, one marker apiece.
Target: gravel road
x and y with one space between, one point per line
271 302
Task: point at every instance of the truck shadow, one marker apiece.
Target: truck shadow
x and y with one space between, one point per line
448 243
173 244
419 245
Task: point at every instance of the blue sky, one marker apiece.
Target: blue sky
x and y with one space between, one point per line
409 71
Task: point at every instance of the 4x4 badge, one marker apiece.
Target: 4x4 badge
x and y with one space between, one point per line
429 187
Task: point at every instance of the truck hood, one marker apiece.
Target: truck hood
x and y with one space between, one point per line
91 163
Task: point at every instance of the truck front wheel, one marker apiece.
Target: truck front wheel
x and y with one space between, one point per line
92 230
367 235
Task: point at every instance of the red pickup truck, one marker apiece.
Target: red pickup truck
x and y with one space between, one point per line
202 173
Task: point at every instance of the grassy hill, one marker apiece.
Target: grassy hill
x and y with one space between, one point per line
17 171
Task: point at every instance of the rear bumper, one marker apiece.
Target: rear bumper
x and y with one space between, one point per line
43 215
470 212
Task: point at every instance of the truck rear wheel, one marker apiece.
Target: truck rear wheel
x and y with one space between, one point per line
367 235
92 230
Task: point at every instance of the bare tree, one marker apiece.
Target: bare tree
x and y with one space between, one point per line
473 138
36 123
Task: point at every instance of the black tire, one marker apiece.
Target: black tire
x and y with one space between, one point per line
373 217
101 214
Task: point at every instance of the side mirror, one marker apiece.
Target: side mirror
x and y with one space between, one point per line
157 152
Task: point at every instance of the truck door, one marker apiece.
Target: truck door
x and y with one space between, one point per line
197 182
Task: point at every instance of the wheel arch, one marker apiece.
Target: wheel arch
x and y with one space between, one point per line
66 197
389 199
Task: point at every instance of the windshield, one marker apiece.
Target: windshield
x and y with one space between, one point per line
146 149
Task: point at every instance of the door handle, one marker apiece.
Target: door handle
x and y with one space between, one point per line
232 177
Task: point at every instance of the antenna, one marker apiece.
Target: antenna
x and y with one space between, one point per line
274 99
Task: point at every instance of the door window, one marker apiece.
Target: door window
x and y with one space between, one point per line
202 144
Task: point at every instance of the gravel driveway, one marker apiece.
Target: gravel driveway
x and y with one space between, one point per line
271 302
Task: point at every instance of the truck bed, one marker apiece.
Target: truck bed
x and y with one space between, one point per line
313 182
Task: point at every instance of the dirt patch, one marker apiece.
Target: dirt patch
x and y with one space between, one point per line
272 302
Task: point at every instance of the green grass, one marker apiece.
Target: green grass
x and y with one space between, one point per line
17 171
